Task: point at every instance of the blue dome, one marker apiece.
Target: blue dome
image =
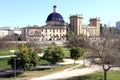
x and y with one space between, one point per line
55 17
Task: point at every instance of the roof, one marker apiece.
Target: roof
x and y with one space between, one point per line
55 17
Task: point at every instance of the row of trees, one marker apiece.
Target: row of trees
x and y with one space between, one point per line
27 58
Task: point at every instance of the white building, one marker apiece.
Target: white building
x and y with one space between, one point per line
9 33
3 33
54 30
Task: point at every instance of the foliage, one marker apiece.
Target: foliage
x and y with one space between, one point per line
76 41
76 52
26 58
4 45
53 55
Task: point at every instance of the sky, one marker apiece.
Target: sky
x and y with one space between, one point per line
21 13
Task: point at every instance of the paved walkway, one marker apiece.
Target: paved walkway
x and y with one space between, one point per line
8 72
7 56
71 72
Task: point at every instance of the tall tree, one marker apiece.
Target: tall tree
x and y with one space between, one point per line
26 58
53 54
76 52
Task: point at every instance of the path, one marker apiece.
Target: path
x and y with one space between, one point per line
7 56
70 72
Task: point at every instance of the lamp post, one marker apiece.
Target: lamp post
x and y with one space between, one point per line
14 68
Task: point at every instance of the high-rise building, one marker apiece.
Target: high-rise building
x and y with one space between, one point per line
118 25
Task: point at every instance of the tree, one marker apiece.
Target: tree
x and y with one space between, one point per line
26 58
53 55
77 41
106 52
76 52
4 44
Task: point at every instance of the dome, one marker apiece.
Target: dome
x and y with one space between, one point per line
55 17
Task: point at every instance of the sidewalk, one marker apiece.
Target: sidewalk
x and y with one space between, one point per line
71 72
9 72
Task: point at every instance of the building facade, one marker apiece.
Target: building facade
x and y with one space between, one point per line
118 25
56 28
90 30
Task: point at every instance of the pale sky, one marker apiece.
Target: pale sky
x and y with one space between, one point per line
21 13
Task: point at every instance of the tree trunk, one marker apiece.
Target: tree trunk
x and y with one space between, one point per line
105 75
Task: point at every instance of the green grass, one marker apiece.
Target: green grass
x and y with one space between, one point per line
42 62
112 75
6 51
3 53
66 51
67 54
4 64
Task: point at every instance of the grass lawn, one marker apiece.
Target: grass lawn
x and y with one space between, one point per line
4 64
67 54
7 51
112 75
3 53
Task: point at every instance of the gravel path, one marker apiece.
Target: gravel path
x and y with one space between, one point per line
71 72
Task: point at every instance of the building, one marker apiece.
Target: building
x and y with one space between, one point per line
90 30
56 28
118 25
10 34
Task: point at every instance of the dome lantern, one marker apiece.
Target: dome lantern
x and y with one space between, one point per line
54 8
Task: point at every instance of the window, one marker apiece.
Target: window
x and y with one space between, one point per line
53 30
63 30
60 30
46 30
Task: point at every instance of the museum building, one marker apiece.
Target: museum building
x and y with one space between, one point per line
56 28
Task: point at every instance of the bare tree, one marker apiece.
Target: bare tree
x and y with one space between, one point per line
76 41
106 52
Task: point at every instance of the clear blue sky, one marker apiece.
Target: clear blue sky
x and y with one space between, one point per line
34 12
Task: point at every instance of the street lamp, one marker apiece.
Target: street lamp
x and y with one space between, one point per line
14 68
